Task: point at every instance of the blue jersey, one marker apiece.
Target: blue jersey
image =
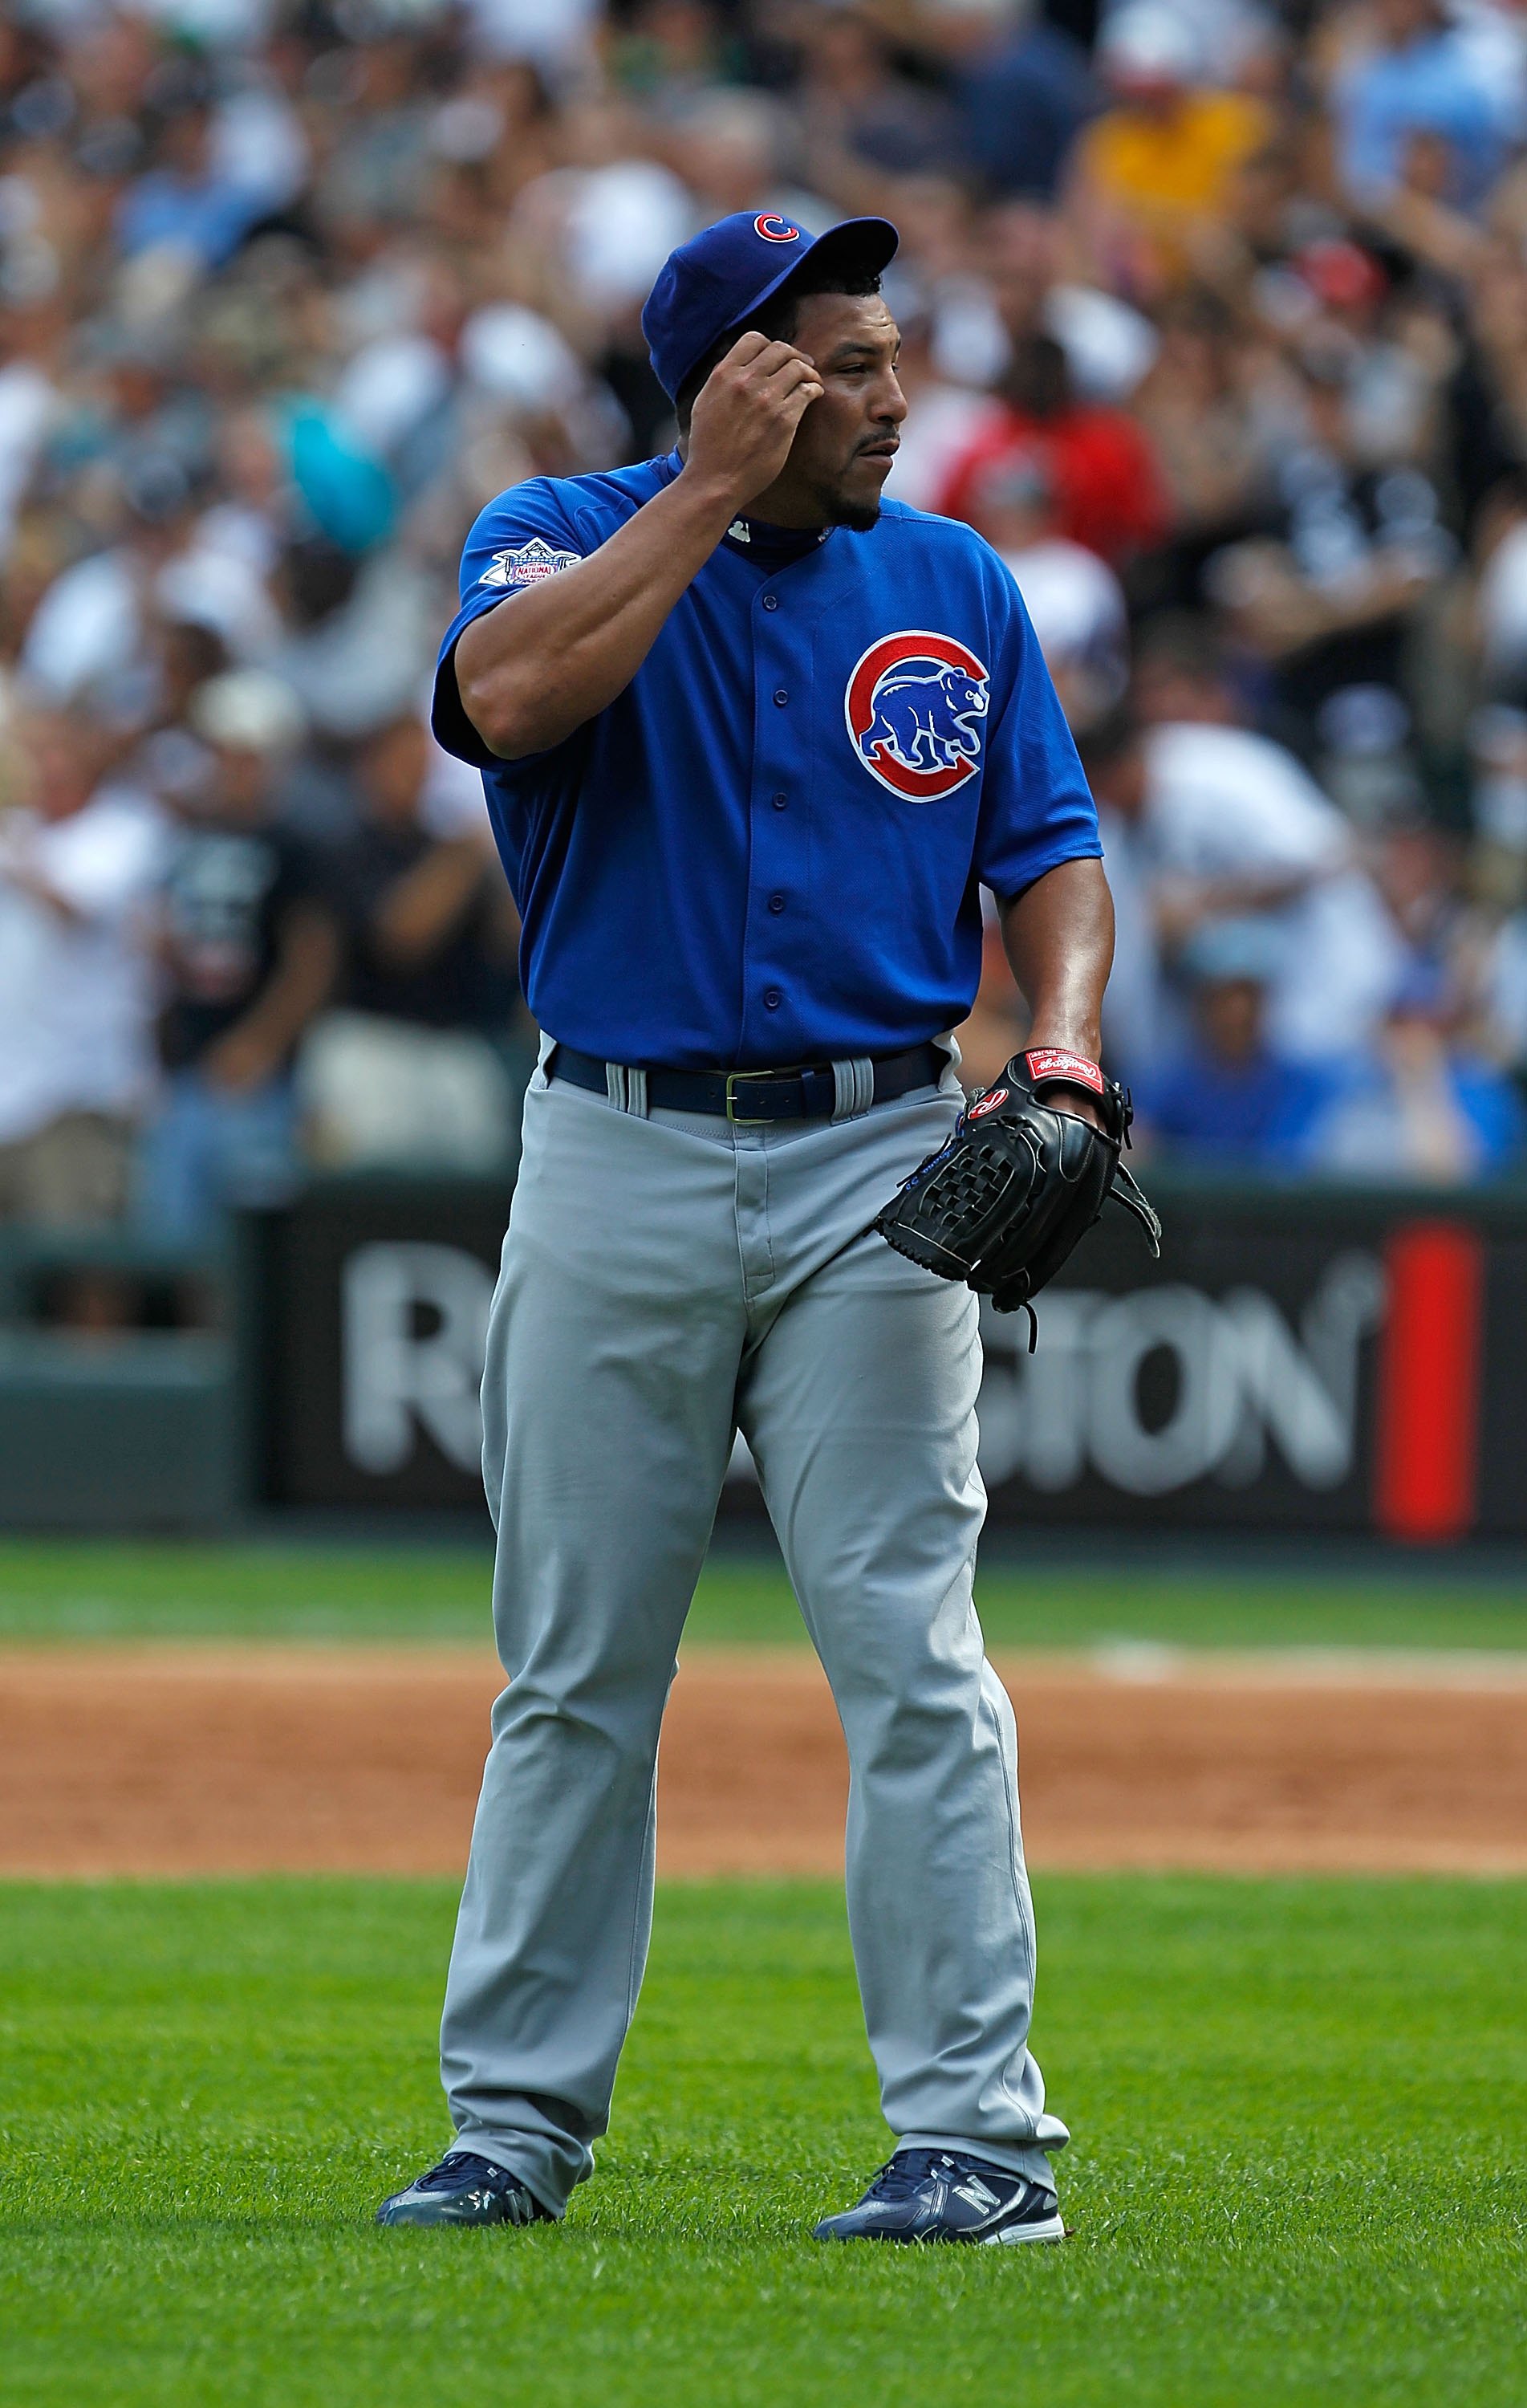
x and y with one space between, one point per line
769 848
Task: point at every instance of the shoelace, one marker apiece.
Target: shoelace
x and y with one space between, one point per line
901 2176
461 2167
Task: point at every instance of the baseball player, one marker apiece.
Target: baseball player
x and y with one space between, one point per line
752 743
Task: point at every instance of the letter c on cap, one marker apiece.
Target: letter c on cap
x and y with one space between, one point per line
777 229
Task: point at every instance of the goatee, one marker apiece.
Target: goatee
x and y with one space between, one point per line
857 516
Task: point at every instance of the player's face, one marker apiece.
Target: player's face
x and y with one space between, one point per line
846 442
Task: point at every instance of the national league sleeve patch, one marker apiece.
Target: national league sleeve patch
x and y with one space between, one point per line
527 563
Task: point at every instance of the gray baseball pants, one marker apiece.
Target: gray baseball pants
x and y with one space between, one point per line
667 1280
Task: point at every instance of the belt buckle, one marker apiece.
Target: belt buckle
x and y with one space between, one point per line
745 1120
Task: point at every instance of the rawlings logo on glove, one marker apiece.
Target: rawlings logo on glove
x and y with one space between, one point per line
1019 1183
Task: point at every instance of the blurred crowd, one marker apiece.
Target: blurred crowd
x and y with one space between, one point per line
1215 318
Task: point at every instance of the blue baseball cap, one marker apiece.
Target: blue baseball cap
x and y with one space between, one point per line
720 277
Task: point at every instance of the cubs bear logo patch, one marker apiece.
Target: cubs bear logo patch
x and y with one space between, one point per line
914 705
527 563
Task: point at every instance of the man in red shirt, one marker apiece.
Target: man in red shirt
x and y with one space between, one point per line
1108 491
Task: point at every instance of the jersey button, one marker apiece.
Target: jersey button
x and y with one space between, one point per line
782 697
776 902
771 601
779 801
772 998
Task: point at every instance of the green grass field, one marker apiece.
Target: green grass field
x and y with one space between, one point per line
1300 2108
1297 2176
83 1589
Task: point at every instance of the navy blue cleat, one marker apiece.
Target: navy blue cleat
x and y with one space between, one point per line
937 2195
463 2189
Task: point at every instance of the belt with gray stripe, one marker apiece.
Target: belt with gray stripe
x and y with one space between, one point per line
806 1094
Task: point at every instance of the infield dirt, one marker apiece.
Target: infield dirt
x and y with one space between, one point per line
158 1759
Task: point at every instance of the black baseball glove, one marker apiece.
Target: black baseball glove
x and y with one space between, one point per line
1018 1181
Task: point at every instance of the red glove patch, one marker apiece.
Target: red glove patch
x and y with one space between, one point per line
1048 1062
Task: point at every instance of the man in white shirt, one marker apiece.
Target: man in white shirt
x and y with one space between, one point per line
77 865
1235 824
1232 823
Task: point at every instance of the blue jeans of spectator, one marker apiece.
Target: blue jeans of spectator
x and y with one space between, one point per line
212 1148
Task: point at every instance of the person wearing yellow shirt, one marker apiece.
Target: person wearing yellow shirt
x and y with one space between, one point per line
1158 164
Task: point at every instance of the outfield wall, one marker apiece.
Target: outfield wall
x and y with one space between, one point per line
1327 1360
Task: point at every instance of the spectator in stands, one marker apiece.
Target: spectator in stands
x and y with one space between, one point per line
853 101
250 950
186 204
1157 168
1354 544
1073 598
1501 597
1419 1106
286 294
1232 824
1029 264
1225 1100
1199 407
1503 996
93 625
411 1069
79 864
1109 493
1410 73
1025 91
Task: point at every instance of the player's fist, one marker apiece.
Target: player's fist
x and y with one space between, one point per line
746 415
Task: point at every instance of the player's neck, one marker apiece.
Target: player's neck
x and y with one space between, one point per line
784 506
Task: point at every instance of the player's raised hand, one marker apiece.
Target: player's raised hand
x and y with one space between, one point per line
564 647
746 415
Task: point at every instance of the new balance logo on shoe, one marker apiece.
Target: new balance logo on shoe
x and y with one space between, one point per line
935 2195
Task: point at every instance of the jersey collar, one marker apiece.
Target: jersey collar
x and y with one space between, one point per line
773 546
769 546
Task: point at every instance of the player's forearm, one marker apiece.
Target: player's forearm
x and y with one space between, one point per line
536 668
1059 938
547 659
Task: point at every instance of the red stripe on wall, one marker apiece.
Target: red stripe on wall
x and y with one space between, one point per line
1428 1422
